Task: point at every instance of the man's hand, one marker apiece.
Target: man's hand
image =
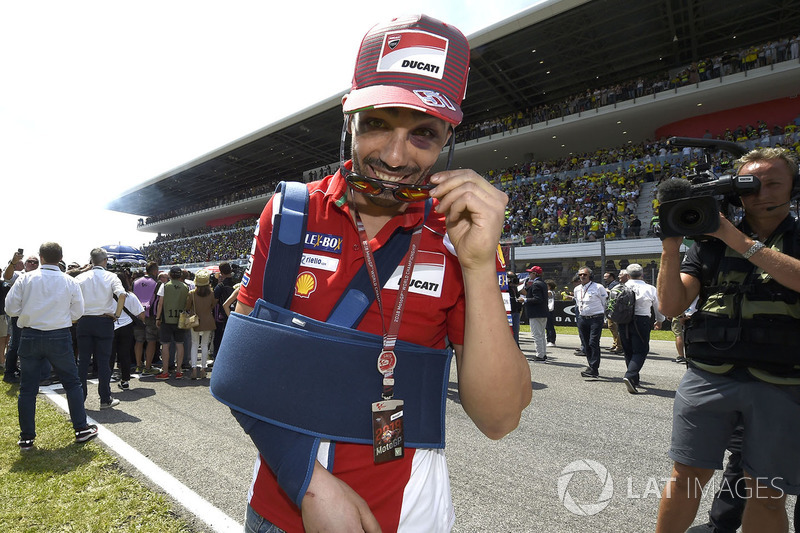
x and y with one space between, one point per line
17 258
330 505
475 211
727 232
672 244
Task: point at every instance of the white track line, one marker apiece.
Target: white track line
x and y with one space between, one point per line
201 508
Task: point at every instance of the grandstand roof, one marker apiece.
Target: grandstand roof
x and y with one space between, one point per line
542 55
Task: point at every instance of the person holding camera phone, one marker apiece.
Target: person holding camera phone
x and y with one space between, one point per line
16 267
742 351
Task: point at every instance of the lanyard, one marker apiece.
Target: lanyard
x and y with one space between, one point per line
387 358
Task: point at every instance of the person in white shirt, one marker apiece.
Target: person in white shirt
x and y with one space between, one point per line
635 335
46 302
590 302
96 326
123 332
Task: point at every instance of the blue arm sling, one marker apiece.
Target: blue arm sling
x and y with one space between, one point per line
288 436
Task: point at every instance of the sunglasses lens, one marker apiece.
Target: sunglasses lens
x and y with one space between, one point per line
364 185
411 194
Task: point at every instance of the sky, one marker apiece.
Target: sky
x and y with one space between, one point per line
100 96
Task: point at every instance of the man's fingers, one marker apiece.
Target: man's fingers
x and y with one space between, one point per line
368 521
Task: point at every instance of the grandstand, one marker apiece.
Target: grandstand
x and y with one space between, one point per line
564 82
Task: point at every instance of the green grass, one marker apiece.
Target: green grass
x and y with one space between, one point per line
60 486
660 335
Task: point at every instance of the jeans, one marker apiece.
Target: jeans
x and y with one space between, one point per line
96 336
550 327
122 350
589 331
255 523
515 325
537 332
635 339
37 347
13 348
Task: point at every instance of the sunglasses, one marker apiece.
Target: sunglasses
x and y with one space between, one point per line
34 261
582 275
401 191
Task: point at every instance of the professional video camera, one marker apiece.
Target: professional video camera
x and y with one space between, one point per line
691 207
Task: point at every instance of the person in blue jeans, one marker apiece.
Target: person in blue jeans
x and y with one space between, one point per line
46 302
96 326
16 267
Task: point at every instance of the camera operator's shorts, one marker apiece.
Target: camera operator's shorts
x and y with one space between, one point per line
149 332
708 407
171 332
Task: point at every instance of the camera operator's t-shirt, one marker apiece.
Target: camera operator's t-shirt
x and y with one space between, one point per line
705 257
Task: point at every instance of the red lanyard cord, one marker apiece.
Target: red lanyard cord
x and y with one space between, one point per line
387 360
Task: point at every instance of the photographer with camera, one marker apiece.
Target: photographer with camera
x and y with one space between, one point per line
742 350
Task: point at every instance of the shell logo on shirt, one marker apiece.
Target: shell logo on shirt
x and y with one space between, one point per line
306 284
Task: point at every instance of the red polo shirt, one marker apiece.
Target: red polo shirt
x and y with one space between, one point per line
413 491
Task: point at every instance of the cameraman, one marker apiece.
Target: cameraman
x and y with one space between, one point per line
742 350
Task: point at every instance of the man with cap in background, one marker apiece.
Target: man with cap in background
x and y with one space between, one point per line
409 81
96 327
144 288
535 300
610 281
171 303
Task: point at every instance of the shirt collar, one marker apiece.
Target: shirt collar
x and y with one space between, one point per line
50 267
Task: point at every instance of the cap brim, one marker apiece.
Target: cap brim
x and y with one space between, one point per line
378 96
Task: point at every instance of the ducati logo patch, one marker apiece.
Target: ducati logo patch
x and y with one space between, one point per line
414 52
427 278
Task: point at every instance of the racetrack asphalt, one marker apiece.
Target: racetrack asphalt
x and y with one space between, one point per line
587 455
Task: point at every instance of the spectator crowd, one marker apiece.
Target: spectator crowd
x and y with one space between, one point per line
725 64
